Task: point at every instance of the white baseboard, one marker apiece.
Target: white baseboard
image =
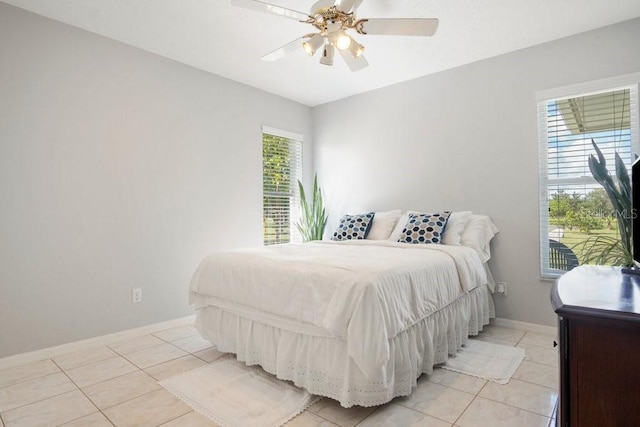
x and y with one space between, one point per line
524 326
50 352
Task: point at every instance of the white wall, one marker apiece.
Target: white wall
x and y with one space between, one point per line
465 139
122 169
118 169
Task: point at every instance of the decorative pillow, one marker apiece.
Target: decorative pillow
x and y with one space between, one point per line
353 227
383 223
455 227
477 234
424 228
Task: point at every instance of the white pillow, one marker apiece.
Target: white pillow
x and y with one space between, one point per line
455 227
477 234
397 230
383 224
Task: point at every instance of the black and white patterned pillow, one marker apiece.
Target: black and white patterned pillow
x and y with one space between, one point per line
424 227
353 227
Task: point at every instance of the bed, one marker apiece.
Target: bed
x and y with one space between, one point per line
355 320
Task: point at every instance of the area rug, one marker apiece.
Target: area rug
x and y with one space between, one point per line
235 395
493 362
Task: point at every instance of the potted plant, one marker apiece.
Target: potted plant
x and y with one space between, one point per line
611 250
314 218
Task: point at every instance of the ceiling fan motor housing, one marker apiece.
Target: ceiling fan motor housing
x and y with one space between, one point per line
328 16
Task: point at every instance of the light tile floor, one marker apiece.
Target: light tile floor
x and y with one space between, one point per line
116 385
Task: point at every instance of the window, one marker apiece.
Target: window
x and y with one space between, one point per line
573 206
281 170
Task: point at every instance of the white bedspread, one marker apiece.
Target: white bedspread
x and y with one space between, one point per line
363 291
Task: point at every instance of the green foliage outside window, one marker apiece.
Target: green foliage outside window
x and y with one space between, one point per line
281 168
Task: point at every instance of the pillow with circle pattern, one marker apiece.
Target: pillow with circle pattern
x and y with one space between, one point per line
424 227
353 227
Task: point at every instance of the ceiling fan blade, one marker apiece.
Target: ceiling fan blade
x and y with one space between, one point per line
271 8
347 5
354 64
322 4
399 26
284 50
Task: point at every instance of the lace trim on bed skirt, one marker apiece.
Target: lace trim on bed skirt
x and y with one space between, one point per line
322 366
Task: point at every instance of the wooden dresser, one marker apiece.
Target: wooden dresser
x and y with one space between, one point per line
599 322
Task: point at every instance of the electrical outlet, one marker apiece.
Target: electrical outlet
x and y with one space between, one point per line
501 288
136 295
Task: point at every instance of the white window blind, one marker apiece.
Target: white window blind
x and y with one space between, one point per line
281 170
573 206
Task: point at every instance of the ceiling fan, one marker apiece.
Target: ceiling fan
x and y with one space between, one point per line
332 19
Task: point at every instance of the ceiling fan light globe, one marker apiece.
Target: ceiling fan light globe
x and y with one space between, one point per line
340 39
356 49
313 44
327 55
343 42
307 48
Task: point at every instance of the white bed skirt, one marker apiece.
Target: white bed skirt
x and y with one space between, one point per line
321 364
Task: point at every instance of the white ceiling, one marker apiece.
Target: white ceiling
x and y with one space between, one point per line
226 40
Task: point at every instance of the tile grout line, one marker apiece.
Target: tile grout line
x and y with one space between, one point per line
521 409
140 349
156 364
433 416
541 385
78 388
120 403
371 413
44 398
530 361
128 400
466 407
406 407
87 363
177 339
424 413
154 378
200 358
180 416
487 383
108 379
189 353
536 363
84 394
482 388
31 379
478 395
472 400
318 415
83 344
60 394
140 369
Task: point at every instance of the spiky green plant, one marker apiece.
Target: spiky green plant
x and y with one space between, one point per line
314 217
606 249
